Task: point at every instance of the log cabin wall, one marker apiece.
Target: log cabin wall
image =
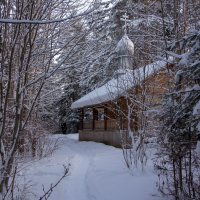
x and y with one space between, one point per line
157 86
152 90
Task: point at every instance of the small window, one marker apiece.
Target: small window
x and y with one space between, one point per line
88 114
100 114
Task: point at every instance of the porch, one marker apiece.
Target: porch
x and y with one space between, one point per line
102 125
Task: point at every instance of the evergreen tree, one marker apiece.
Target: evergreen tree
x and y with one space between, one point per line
181 117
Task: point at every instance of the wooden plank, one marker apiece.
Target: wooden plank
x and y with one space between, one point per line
81 118
95 117
105 118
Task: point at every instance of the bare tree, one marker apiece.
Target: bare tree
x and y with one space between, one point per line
29 36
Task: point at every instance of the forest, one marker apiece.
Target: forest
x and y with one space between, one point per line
52 53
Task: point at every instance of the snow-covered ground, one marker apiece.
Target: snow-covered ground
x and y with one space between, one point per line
97 172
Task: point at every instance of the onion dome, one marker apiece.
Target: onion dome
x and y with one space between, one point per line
125 46
125 51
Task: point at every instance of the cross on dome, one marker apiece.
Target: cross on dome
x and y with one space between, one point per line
125 47
125 18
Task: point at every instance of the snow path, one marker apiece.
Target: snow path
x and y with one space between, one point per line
97 172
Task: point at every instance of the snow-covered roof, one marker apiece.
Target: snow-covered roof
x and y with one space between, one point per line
118 86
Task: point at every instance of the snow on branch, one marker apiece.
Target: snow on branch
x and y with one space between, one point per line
25 21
